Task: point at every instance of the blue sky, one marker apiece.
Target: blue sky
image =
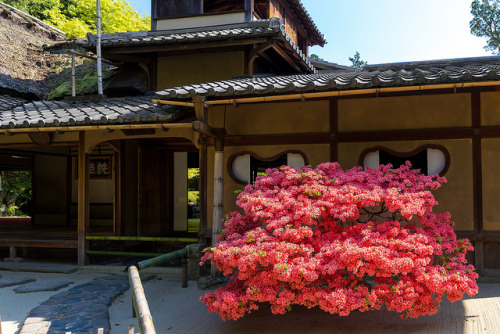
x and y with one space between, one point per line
386 31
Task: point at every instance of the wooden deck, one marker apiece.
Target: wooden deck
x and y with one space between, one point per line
38 236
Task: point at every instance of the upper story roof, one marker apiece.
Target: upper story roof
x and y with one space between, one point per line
316 37
201 36
373 76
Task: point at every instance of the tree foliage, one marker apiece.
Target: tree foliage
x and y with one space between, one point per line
341 241
316 57
15 192
486 22
357 62
77 17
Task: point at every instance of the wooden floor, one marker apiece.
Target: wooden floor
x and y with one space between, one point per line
41 236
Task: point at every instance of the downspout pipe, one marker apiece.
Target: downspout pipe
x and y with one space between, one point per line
98 49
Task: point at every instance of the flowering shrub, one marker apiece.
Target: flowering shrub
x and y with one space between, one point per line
343 241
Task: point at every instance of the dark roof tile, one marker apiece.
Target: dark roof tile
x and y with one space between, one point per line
373 76
109 111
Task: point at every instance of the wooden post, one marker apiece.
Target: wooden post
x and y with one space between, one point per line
0 325
131 330
249 8
117 207
218 194
83 200
184 262
203 191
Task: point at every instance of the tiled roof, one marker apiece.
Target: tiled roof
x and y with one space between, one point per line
8 102
324 66
315 35
423 73
272 28
108 111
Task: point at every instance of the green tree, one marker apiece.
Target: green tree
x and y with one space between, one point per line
316 57
486 22
77 17
357 62
15 192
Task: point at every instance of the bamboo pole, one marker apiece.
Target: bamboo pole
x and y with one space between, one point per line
175 103
73 75
98 48
102 127
144 318
134 238
340 93
118 253
162 259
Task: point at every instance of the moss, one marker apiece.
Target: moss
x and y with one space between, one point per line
85 85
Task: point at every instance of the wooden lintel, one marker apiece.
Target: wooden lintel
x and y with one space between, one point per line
286 57
127 59
204 129
192 46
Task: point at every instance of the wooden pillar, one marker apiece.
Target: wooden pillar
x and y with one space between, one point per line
249 8
334 130
117 200
69 187
218 194
83 199
477 181
203 190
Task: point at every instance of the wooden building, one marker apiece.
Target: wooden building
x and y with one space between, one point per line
246 98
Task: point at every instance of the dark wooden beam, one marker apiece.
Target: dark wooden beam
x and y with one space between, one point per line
429 134
205 129
286 58
127 59
306 138
256 52
191 46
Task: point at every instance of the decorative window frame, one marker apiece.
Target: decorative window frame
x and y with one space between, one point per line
233 157
419 149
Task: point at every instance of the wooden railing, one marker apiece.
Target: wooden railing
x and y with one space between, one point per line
139 301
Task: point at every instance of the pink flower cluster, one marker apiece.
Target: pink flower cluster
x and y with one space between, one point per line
342 241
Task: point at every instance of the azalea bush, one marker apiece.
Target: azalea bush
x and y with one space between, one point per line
342 241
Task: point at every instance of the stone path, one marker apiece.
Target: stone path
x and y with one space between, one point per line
7 282
41 286
81 309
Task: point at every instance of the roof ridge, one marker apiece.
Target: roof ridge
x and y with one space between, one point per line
38 21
